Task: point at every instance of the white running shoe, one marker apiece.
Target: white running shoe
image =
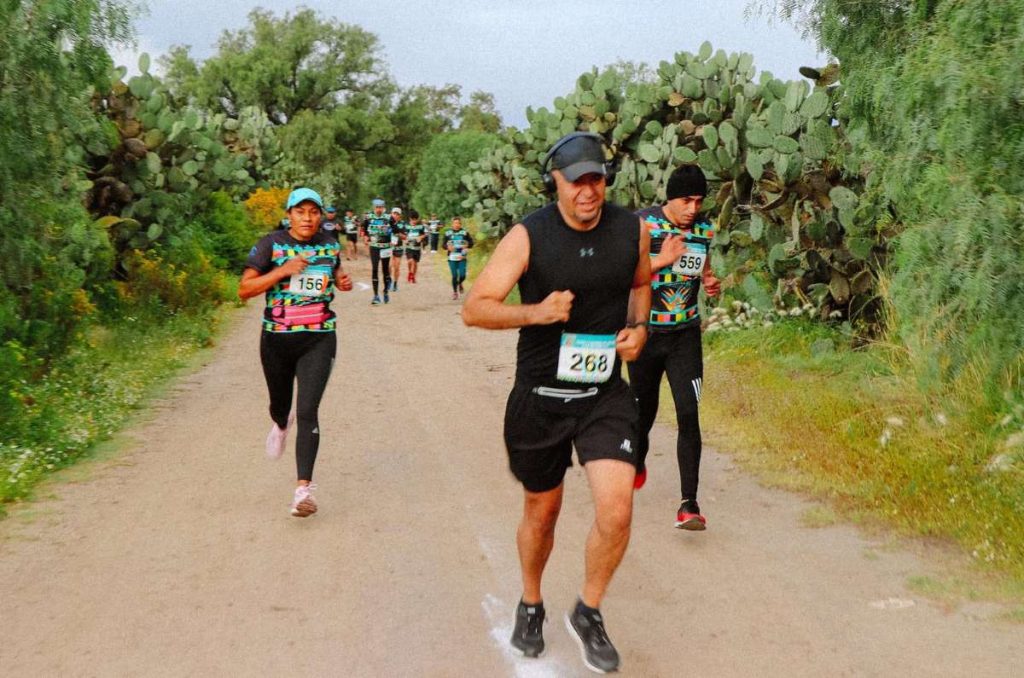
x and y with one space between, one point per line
304 504
276 438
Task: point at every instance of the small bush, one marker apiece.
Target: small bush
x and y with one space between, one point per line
265 207
156 282
230 229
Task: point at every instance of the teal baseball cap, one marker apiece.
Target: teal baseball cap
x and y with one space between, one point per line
300 195
377 202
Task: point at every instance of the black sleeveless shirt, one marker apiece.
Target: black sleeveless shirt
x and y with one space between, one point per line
597 266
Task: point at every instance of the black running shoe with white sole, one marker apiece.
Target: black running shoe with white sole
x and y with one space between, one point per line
528 634
588 629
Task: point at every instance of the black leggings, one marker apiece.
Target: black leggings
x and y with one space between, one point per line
679 355
385 265
308 357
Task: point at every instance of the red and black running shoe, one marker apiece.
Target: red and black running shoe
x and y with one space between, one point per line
689 518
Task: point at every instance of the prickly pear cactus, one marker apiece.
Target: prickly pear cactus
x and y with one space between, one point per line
791 226
158 162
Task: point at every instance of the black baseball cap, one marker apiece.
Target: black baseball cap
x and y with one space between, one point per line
579 154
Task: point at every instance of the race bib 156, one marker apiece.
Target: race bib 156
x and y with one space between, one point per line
313 282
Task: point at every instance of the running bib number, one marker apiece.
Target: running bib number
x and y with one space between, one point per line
586 358
313 282
456 256
385 253
691 264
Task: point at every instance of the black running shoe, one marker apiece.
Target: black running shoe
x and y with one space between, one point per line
688 516
528 635
588 629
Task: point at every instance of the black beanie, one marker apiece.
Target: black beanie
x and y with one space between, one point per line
685 181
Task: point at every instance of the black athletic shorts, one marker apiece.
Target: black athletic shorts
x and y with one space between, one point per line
412 254
397 253
351 237
543 424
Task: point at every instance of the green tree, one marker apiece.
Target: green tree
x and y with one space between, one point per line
480 114
300 62
329 150
439 188
51 53
417 115
932 98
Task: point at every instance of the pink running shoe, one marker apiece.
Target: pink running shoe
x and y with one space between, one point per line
276 438
304 504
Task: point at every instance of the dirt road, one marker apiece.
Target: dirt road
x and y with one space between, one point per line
179 558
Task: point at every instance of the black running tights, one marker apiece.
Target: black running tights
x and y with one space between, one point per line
307 357
385 265
677 354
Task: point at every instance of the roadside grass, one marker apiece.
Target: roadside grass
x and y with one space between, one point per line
90 393
848 427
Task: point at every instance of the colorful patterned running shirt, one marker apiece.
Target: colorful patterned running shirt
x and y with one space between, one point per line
413 233
461 242
351 226
397 231
379 230
300 303
676 286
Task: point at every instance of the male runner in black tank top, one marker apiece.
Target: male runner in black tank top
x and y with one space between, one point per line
583 272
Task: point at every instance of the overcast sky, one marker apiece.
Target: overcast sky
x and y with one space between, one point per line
525 52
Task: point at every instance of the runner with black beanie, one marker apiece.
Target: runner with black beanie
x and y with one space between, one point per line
680 262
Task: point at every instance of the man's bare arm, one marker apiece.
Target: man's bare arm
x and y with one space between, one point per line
630 341
640 295
485 306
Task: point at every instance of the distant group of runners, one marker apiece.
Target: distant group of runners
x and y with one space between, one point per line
599 286
390 240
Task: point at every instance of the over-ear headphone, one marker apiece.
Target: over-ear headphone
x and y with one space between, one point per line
549 181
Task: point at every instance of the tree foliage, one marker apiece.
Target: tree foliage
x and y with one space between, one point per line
480 115
789 228
299 62
343 125
934 102
51 53
439 187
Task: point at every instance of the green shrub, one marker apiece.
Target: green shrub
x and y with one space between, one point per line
230 231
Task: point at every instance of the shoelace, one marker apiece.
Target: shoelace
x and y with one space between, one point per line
598 636
303 491
534 623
